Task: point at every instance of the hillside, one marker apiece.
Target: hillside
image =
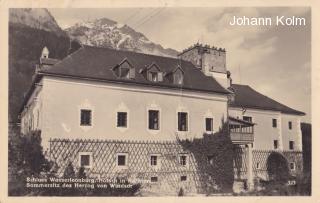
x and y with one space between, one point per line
25 46
39 18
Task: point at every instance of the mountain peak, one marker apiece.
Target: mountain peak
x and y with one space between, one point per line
108 33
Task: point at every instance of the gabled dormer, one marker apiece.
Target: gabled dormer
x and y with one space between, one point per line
124 70
153 73
176 76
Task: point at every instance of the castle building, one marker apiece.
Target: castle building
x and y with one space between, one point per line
128 99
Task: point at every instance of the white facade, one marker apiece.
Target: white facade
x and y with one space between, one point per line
265 133
60 101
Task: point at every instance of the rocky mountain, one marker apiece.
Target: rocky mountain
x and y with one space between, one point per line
39 18
108 33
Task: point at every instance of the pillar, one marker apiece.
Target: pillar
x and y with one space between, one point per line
250 183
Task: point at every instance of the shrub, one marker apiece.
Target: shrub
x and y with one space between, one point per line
277 167
218 177
26 159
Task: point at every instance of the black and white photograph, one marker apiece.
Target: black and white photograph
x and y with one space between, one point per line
163 101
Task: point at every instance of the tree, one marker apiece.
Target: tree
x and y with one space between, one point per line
277 167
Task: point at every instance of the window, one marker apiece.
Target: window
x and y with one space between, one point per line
122 119
153 160
290 125
274 122
183 160
124 70
154 179
178 77
247 118
291 145
183 178
209 124
153 119
122 159
85 119
292 166
85 159
182 121
153 76
275 144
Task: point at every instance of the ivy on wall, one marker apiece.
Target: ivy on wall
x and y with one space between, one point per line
214 156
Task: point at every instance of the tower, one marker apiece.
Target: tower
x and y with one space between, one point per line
211 61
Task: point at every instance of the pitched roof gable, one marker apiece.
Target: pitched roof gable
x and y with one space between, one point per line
247 97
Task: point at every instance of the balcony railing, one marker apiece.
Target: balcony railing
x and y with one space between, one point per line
237 137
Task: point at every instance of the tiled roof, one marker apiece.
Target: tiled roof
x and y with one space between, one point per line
246 97
97 63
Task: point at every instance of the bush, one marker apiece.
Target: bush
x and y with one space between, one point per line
277 167
26 159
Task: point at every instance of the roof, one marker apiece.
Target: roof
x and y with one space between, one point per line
247 97
97 63
237 120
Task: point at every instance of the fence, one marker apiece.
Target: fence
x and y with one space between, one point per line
259 162
170 174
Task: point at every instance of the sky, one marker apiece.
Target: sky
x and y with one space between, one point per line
274 60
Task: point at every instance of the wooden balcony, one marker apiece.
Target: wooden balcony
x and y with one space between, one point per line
241 137
241 131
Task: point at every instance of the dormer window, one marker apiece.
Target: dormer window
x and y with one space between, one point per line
124 70
154 74
178 76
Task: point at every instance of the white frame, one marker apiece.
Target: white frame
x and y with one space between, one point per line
278 145
205 124
122 108
158 161
183 110
276 122
85 106
293 145
126 160
187 159
90 159
155 108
